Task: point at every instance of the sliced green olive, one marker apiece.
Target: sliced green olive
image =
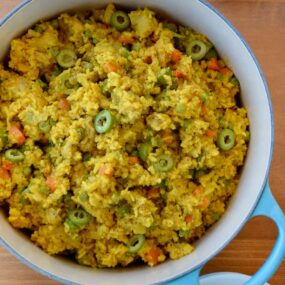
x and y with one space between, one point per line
66 58
226 139
196 49
120 20
103 122
14 155
79 217
136 243
164 163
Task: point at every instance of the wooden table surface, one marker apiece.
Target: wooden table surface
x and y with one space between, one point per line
262 23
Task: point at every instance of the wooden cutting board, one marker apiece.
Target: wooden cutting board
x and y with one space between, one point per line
262 23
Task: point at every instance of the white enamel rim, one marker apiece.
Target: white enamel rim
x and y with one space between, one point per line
256 98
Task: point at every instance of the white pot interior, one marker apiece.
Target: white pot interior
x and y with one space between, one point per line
198 15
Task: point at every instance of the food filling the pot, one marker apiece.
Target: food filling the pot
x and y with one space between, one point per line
121 136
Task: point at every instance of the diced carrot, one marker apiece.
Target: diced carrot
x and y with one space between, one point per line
8 165
110 67
51 183
167 137
205 203
148 60
47 170
153 192
188 219
106 170
226 71
213 64
198 191
179 74
133 160
210 133
4 173
203 109
175 56
63 104
16 134
152 256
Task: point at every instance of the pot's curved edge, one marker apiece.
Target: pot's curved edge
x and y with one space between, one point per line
219 14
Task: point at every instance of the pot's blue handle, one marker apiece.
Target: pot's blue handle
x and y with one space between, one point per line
268 207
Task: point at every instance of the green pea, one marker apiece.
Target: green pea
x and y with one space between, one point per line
54 23
204 97
79 217
164 77
44 190
136 46
83 196
86 156
125 53
87 65
212 53
199 173
87 34
120 20
44 126
56 72
183 233
165 163
95 40
14 155
54 51
38 29
196 49
104 86
226 139
144 149
4 136
136 243
66 58
42 84
123 209
234 81
227 182
103 122
67 199
27 171
180 108
81 132
23 195
170 26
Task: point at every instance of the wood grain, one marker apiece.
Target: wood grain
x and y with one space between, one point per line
262 23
